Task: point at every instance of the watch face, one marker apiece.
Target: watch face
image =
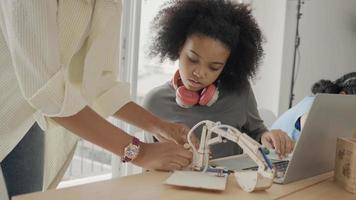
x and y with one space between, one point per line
132 151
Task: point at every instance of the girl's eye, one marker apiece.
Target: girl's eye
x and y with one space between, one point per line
214 69
192 60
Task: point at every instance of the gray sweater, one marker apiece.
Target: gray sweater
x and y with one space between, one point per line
236 109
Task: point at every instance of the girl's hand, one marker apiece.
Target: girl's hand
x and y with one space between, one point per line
279 141
166 156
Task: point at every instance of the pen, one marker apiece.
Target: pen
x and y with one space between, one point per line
265 158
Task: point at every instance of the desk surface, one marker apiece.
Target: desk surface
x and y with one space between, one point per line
149 186
324 190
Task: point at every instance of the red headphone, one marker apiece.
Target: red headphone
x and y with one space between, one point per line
187 98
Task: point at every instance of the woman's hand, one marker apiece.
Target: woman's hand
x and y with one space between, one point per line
175 132
278 140
166 156
163 130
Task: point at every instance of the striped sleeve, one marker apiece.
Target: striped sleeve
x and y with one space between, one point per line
31 32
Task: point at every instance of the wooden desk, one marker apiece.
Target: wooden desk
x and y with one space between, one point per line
324 190
149 186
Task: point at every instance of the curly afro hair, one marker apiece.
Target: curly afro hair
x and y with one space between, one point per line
346 83
230 23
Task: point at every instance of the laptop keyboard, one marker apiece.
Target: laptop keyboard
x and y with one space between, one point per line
280 166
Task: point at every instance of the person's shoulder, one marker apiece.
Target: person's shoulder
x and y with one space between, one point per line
161 90
300 108
306 101
309 99
157 95
244 91
237 97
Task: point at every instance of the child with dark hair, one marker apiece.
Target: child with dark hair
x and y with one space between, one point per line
291 120
218 45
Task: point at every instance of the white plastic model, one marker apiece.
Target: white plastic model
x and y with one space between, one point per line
248 180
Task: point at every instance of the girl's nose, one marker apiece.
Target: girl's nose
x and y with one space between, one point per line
196 74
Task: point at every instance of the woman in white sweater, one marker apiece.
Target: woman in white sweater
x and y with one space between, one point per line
59 66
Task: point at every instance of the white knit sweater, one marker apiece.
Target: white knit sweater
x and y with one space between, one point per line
55 58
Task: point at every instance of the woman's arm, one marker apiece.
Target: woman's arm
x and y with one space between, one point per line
163 130
92 127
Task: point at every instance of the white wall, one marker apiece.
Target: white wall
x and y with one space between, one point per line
270 16
328 45
287 55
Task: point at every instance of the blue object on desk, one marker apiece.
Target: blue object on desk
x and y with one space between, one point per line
266 158
265 150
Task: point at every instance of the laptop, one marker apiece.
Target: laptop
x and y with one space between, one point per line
330 116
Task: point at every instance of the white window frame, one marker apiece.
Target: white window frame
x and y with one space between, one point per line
129 57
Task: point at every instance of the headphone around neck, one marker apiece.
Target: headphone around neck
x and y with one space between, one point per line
187 98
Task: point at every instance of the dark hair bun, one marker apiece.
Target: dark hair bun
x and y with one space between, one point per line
325 86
